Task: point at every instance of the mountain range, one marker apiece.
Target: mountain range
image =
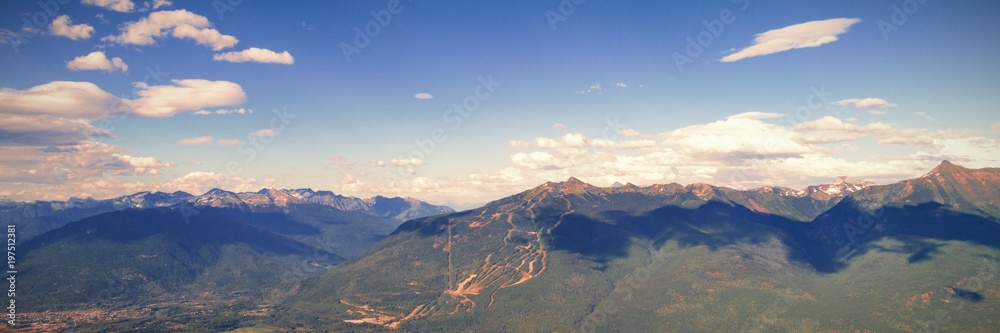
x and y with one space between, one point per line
568 256
220 247
563 256
35 218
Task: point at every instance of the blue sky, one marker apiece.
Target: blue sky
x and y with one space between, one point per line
784 93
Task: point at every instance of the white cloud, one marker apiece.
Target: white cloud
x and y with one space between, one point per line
924 115
63 26
258 55
97 60
829 129
739 136
538 160
571 140
397 162
142 164
186 95
206 140
46 133
623 144
631 133
75 100
233 111
592 89
878 112
80 162
907 137
177 23
829 123
264 132
865 103
802 35
406 162
211 37
924 138
423 95
46 130
223 111
519 144
755 115
577 140
621 85
123 6
558 126
201 140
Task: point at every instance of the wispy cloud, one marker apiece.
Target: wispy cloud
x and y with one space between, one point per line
798 36
160 3
755 115
865 103
201 140
206 140
558 126
423 95
228 142
595 89
264 132
409 162
224 111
